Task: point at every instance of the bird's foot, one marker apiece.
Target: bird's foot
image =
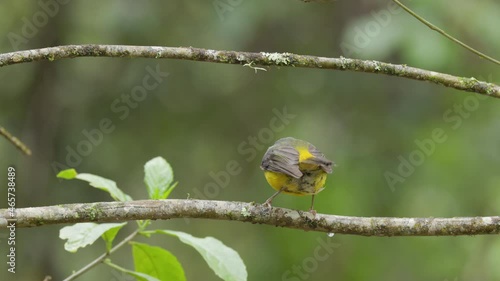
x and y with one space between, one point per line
267 204
313 212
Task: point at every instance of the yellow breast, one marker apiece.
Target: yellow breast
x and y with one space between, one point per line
310 183
279 180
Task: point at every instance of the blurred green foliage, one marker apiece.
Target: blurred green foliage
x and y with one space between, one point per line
200 114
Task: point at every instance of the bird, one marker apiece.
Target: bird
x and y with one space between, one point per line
295 167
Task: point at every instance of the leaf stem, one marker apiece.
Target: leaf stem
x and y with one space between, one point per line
102 257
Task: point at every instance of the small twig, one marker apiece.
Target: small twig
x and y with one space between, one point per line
442 32
15 141
101 258
253 213
260 59
254 67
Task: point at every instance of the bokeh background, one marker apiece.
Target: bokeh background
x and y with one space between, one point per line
200 114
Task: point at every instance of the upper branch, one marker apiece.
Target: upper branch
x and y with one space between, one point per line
15 141
442 32
249 212
262 59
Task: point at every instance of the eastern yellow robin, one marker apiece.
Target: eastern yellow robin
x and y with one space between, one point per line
295 167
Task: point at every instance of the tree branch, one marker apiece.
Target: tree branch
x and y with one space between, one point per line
259 59
250 212
15 141
442 32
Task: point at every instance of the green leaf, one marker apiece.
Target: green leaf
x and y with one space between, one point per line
97 182
110 235
140 276
224 261
68 174
158 178
106 185
157 262
83 234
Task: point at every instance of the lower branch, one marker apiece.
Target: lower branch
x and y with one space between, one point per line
249 212
247 58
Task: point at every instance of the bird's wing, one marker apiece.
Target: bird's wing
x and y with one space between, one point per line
319 159
283 160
